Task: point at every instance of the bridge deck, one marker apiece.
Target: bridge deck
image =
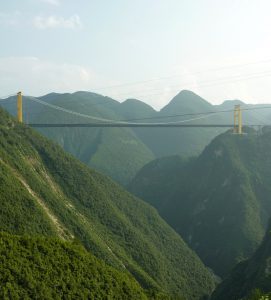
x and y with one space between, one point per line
136 125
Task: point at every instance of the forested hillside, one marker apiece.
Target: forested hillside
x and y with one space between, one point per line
251 278
45 191
47 268
220 201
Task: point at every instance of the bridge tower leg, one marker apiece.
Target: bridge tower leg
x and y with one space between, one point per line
237 115
20 107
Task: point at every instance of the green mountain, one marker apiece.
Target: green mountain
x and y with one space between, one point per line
122 152
157 180
47 268
132 109
250 277
218 202
45 191
117 152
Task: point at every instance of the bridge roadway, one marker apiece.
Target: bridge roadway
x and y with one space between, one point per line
59 125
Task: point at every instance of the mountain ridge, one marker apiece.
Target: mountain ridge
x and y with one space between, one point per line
46 191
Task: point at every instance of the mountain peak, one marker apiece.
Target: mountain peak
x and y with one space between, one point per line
187 95
135 102
134 108
187 101
231 103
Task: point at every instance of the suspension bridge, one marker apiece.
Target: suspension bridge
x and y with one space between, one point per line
102 122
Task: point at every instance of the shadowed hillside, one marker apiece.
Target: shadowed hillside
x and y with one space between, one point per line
250 278
219 202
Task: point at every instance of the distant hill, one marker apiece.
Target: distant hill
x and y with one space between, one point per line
251 277
220 201
122 152
188 101
44 191
131 109
180 141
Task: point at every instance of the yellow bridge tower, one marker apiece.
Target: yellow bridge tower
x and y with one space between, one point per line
20 107
237 116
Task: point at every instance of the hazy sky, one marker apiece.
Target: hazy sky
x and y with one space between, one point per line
145 49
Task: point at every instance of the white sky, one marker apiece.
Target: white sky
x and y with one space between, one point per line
220 49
